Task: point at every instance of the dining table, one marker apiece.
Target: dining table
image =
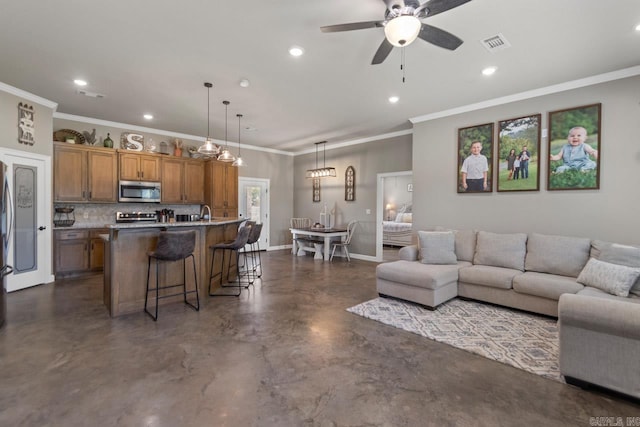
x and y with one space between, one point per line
324 236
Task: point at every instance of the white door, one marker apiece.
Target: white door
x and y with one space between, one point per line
253 198
29 249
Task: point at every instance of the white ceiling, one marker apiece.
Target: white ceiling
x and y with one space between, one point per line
155 55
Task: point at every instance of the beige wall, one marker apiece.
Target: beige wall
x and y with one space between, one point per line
43 119
370 159
610 213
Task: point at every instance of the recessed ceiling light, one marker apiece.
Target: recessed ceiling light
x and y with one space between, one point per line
80 82
244 83
489 71
148 116
296 51
638 27
393 99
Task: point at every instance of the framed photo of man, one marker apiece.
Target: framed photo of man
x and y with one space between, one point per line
475 155
518 156
575 148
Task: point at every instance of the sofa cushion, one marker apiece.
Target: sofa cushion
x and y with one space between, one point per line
595 292
501 250
465 244
430 276
561 255
495 277
545 285
612 278
437 247
618 254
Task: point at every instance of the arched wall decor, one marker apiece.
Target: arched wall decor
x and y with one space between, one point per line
350 184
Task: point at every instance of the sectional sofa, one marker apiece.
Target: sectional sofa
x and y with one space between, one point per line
593 287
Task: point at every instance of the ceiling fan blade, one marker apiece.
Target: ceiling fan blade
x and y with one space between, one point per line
438 6
382 52
351 26
438 37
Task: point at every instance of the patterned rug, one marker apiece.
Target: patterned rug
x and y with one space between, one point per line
519 339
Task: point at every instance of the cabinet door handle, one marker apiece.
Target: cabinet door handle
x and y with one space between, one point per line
142 174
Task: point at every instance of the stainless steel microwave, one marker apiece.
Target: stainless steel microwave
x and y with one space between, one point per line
139 191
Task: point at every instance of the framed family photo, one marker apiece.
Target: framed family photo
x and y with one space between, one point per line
575 147
518 156
475 156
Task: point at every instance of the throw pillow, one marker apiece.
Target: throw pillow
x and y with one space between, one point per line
611 278
407 217
501 250
465 244
437 247
622 255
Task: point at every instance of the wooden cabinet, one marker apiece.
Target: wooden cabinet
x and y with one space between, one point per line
78 251
221 188
139 167
183 181
84 174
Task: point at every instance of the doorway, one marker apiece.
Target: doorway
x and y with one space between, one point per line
394 193
253 200
30 245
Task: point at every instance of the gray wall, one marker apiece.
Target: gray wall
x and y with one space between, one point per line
277 167
9 125
610 213
370 159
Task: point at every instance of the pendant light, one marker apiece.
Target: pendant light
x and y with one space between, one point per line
238 161
226 155
208 149
324 171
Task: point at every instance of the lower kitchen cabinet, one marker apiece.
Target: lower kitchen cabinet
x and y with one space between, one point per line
78 252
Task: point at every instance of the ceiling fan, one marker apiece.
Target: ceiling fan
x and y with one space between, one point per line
402 25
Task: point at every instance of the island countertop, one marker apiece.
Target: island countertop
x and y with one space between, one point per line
126 262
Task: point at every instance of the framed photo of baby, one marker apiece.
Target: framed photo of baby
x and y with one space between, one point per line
518 157
475 157
575 148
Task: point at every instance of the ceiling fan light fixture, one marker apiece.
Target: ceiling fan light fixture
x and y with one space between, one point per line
403 30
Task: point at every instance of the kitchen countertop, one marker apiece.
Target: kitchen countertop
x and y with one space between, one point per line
128 225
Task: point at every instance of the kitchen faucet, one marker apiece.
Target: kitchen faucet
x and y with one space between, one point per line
202 215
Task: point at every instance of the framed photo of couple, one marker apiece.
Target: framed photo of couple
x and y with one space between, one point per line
518 157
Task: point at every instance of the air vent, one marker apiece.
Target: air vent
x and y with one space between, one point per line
89 94
495 43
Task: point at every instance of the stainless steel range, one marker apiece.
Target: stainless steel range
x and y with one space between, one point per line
136 217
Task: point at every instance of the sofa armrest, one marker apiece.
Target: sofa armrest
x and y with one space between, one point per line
409 253
603 315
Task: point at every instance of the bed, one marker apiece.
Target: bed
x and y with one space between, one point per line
398 232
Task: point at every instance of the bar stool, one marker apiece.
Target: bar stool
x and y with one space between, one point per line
256 261
173 246
233 247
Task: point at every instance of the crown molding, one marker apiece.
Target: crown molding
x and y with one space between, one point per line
359 141
28 96
107 123
548 90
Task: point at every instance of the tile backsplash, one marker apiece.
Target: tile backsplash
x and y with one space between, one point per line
105 213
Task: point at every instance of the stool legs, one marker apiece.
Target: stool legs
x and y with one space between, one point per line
184 292
212 276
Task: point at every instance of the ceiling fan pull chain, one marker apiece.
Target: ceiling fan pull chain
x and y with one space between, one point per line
402 63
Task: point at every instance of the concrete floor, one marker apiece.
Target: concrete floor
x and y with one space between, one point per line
285 353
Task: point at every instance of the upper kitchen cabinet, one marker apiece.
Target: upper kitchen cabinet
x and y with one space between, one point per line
139 167
84 174
221 188
182 181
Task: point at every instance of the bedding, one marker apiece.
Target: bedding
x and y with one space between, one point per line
397 233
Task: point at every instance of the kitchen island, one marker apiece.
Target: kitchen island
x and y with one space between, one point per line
125 260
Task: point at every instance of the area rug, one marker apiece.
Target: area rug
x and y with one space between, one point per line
525 341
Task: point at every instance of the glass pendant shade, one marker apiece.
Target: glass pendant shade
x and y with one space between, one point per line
225 155
238 161
208 149
325 171
403 30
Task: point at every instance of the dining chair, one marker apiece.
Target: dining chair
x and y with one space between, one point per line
300 222
351 228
